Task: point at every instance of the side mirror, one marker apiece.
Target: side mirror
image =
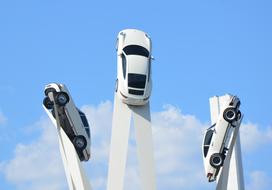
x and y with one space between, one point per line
152 58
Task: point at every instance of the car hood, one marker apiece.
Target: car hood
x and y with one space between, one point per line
137 64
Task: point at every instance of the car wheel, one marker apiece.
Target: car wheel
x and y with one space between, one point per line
62 98
217 160
116 85
46 92
48 103
80 142
230 115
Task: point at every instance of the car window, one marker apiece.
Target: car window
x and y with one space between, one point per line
208 137
124 65
136 50
87 129
136 80
205 150
84 121
136 92
207 142
83 118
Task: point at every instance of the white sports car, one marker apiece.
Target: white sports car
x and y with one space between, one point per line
133 84
217 137
72 120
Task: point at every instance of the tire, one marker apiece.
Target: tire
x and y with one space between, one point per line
49 90
62 98
217 160
80 142
230 114
48 103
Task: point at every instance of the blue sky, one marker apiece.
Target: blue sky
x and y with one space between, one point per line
202 48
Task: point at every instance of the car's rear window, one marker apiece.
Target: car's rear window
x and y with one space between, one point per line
136 50
136 80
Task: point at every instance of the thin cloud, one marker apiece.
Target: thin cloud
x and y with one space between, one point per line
252 136
259 180
3 118
37 166
177 147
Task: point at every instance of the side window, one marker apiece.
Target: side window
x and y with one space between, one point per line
124 65
84 121
206 149
208 137
88 131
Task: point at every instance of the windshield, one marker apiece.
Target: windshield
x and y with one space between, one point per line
136 80
136 50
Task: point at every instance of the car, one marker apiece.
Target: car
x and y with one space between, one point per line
71 119
217 137
134 82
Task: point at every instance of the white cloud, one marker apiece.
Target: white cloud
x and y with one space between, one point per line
37 166
177 142
3 118
259 180
100 118
42 160
5 133
252 136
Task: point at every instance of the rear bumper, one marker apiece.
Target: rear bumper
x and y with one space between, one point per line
210 177
133 101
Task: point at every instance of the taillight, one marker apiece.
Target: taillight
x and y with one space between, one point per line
209 175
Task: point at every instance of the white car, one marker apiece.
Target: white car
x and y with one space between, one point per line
72 120
217 137
133 83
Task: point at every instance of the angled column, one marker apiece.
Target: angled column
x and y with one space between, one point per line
143 132
236 176
228 178
231 174
75 174
119 145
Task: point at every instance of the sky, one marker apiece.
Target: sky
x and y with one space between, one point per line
201 49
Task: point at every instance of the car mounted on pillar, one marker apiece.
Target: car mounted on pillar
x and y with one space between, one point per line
217 137
133 83
72 120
